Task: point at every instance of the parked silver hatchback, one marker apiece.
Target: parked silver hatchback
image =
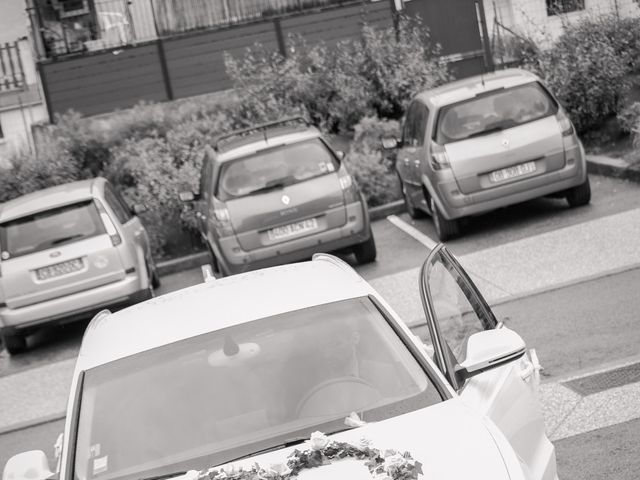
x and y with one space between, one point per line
278 193
487 142
67 252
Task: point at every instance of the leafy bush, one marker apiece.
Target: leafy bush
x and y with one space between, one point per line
585 70
377 73
629 118
372 170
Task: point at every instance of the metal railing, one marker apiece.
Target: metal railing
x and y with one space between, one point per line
93 25
11 71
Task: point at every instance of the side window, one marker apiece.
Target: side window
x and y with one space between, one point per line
458 310
117 204
421 124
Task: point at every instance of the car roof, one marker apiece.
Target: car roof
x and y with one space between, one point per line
469 87
261 140
215 305
50 198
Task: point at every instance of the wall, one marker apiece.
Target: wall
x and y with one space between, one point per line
188 65
530 16
16 127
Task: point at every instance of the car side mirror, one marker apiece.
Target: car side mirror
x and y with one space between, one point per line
139 209
389 143
340 155
490 349
188 196
32 465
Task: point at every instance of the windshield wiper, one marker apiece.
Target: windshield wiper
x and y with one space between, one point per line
65 239
164 475
273 185
287 443
497 128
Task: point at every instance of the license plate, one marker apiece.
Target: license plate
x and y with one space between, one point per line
292 229
59 269
512 172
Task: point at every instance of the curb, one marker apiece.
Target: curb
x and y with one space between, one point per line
612 167
180 264
382 211
35 422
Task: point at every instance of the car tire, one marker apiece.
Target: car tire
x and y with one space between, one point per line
155 278
15 343
411 209
445 229
366 252
580 195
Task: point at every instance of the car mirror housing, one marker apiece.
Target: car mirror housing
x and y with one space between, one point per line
389 143
490 349
340 154
187 197
32 465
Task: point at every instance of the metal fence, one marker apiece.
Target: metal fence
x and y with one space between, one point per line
11 71
94 25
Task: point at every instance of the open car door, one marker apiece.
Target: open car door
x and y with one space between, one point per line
504 390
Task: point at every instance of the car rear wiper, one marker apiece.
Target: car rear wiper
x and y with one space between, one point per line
164 475
497 128
267 188
66 239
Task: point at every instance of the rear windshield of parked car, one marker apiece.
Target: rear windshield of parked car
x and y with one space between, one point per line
49 229
206 400
277 167
492 112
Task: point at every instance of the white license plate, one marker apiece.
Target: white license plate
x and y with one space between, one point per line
59 269
512 172
292 229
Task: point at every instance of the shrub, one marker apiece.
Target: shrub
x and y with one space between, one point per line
585 71
377 73
629 118
372 170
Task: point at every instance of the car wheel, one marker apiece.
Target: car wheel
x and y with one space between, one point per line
445 229
411 209
580 195
15 343
366 252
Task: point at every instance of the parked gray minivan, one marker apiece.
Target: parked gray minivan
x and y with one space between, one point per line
278 193
486 142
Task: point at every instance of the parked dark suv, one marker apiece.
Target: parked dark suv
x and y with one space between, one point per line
278 193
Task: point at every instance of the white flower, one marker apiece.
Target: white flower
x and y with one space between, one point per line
318 441
364 443
389 452
393 461
279 469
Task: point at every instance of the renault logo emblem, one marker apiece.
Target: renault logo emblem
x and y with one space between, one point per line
505 143
285 199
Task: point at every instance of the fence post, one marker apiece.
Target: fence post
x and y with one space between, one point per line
45 90
165 70
282 47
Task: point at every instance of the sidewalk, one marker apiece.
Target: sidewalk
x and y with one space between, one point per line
521 268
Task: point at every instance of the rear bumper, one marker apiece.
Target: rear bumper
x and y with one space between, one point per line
77 306
234 260
455 204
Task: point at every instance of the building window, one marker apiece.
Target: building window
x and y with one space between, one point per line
558 7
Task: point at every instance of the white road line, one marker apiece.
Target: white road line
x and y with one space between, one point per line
412 232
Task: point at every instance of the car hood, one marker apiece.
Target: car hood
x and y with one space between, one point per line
449 440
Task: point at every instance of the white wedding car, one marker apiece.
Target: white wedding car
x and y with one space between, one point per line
239 371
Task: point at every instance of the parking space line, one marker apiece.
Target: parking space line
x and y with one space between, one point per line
412 232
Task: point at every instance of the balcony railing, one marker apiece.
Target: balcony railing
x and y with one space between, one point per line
74 26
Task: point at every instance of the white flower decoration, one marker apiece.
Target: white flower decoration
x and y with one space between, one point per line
279 469
394 461
318 441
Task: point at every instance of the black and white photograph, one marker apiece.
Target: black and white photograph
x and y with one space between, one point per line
320 239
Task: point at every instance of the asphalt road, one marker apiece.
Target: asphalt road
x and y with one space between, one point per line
600 317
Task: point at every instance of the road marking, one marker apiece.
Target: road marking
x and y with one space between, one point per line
412 232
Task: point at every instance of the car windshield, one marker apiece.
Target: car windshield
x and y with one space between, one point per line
494 111
209 399
49 229
274 168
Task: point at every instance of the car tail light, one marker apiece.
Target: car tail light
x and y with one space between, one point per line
565 124
348 186
439 157
109 226
221 219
